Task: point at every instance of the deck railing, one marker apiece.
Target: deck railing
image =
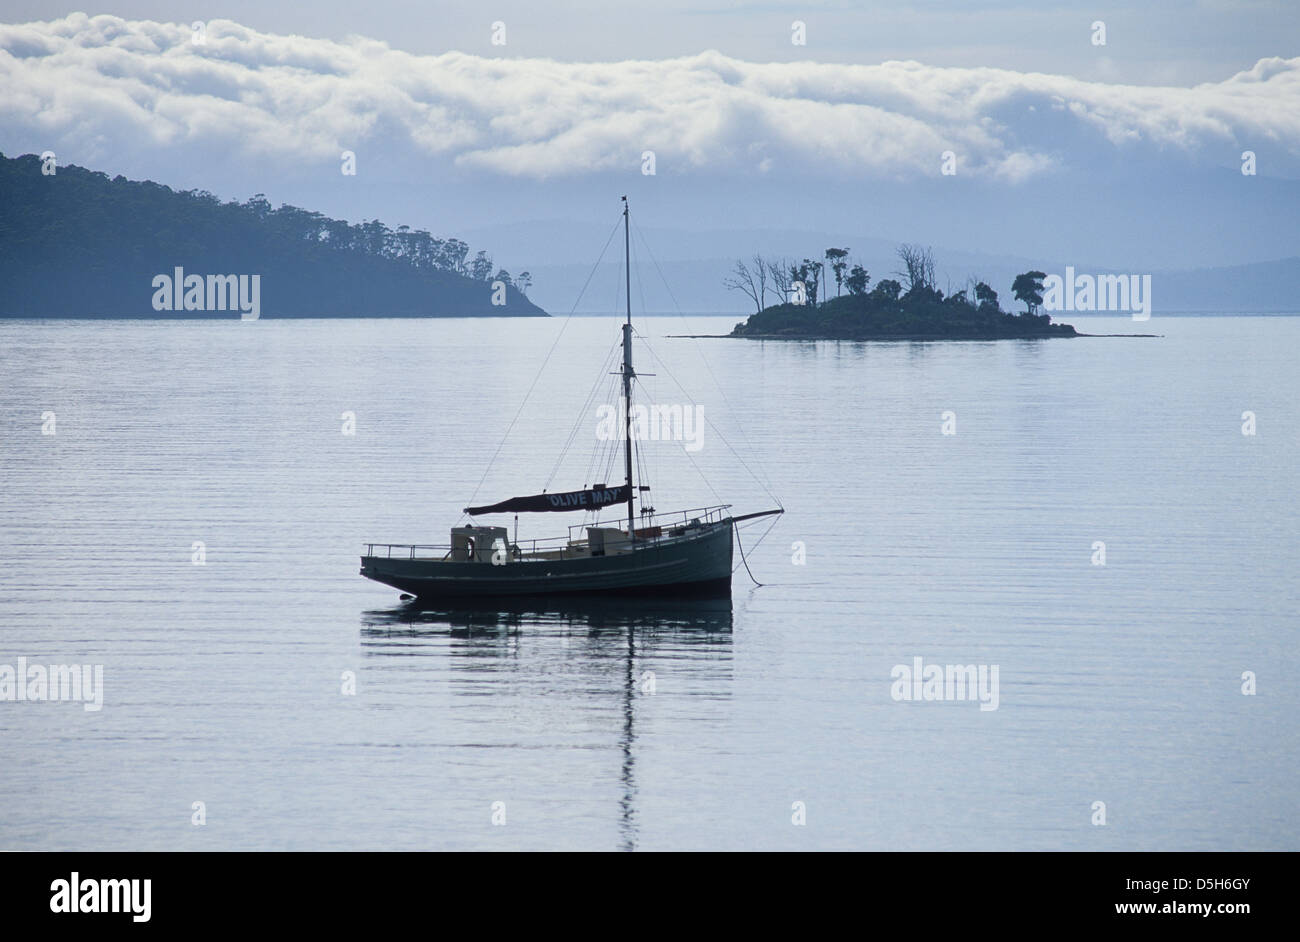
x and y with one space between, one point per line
668 519
524 550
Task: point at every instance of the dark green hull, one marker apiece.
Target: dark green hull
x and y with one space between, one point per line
699 563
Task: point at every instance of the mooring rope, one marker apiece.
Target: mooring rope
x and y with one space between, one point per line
735 527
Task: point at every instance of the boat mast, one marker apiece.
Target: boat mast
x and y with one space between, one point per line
627 371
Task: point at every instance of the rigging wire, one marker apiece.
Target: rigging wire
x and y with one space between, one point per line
608 452
542 368
642 462
609 449
582 415
766 532
598 451
644 457
703 477
716 430
654 463
764 481
612 448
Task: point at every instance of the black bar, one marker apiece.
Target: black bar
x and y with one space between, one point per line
922 892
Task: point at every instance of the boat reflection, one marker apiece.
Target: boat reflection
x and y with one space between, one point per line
543 613
617 639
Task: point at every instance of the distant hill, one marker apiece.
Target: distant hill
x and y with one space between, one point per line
77 244
696 262
1257 288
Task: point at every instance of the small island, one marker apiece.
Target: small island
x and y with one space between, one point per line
908 309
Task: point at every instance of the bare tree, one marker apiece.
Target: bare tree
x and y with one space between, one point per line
971 291
918 267
760 276
778 270
742 279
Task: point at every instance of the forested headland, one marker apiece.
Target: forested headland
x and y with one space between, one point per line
75 243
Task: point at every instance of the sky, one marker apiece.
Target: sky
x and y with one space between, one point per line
1182 42
1004 128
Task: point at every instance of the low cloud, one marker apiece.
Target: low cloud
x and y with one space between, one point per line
103 86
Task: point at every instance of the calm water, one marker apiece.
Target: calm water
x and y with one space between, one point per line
222 682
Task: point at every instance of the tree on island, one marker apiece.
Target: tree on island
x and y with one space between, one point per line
751 281
887 290
918 267
856 280
910 306
1028 289
761 274
778 270
806 274
810 273
836 259
986 296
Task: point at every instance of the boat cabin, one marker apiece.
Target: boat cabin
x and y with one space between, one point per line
477 544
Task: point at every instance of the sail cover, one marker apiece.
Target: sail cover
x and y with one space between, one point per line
593 499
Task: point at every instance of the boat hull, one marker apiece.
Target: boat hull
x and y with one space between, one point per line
699 564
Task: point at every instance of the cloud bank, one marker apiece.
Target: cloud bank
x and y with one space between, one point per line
103 86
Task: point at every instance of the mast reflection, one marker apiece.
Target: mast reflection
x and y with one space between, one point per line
531 632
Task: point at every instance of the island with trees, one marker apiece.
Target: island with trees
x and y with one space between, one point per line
910 307
75 243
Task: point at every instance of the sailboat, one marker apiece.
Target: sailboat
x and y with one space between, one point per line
684 552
